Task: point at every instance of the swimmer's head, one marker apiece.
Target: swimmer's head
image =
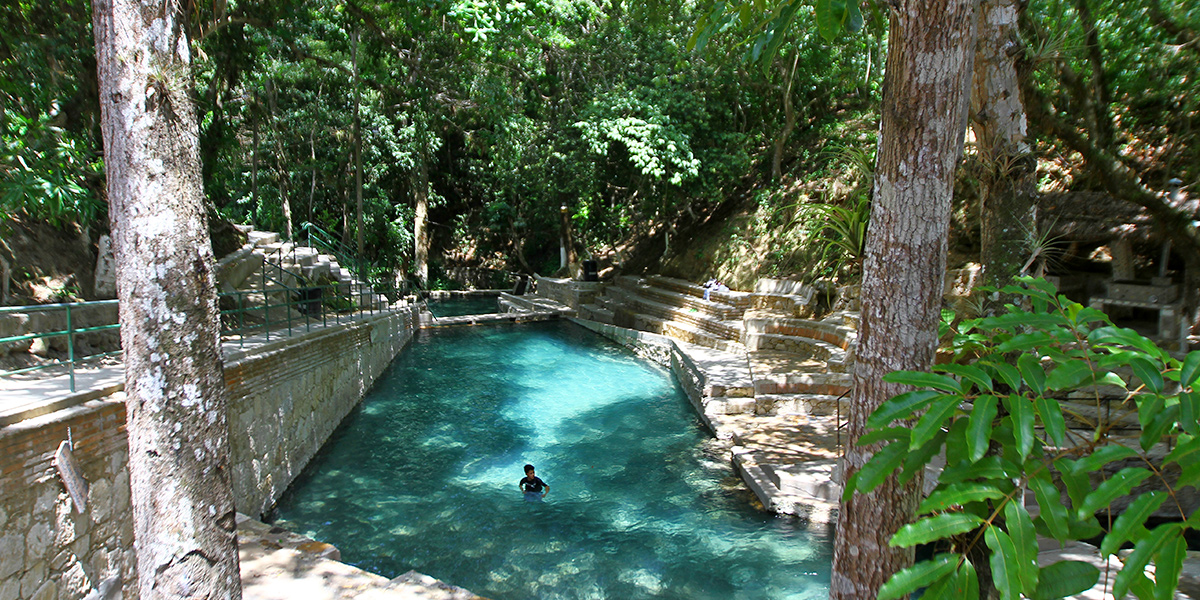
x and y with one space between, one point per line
528 469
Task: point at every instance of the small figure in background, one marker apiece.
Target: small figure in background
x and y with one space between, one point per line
709 286
535 489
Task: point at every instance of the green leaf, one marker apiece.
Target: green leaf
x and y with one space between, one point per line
1143 552
877 469
1121 336
1189 409
1022 422
1065 578
1069 375
919 575
959 494
900 406
934 528
1077 483
1024 538
933 420
966 582
1190 369
979 427
1116 486
916 460
1148 372
835 15
1032 373
1026 341
1008 374
1167 567
988 467
1159 426
921 379
883 435
1049 500
1186 451
1052 419
1130 522
1004 563
1189 476
970 373
1102 456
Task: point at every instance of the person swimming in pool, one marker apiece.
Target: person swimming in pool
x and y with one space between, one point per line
535 489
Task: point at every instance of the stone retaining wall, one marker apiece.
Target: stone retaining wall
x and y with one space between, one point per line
286 398
49 550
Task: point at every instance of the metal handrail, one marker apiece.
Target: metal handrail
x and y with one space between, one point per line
70 332
336 300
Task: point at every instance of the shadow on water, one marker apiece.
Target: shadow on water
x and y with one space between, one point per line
423 475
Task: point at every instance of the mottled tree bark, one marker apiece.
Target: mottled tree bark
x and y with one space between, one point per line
930 54
421 221
178 435
998 118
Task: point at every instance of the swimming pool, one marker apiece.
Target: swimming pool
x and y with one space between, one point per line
458 306
423 475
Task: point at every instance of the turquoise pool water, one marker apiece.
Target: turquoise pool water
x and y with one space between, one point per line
464 305
423 475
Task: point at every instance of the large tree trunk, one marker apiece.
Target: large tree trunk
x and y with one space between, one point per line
178 435
930 52
998 118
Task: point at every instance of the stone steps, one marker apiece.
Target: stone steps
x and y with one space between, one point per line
716 328
802 404
717 310
830 384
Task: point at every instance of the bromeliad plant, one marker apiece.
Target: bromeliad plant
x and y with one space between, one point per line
1029 404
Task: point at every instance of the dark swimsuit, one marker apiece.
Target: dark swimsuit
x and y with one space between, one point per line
532 484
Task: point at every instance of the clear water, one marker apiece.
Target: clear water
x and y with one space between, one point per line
464 305
423 475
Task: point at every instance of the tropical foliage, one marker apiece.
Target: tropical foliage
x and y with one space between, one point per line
1099 423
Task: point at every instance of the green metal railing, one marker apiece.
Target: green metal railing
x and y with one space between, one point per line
69 332
251 312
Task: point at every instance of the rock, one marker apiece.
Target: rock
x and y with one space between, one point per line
12 556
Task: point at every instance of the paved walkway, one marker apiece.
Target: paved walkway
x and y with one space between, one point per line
41 392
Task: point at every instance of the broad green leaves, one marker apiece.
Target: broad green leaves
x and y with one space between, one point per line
1001 423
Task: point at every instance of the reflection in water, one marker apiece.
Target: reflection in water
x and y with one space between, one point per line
424 476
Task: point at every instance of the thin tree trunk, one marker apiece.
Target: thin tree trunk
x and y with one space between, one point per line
930 53
998 118
789 120
254 175
285 204
421 221
358 188
1101 97
175 392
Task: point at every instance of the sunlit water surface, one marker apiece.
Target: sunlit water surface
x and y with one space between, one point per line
423 475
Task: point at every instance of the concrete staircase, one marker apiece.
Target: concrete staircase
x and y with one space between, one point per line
264 259
798 365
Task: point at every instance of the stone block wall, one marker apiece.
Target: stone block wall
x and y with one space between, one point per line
286 398
48 549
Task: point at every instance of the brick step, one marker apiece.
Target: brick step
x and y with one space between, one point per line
732 297
729 330
693 335
800 346
832 332
674 299
595 312
831 384
801 404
